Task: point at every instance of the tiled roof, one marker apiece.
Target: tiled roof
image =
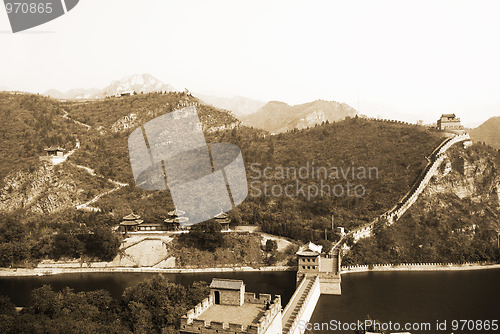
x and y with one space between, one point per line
176 220
55 148
228 284
221 215
310 250
176 213
131 217
130 222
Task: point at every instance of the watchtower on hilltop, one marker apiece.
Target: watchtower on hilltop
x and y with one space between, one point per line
449 122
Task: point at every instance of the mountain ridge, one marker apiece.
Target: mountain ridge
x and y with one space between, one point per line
277 116
488 132
136 83
238 105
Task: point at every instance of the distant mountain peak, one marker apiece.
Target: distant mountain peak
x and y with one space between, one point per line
488 132
238 105
139 83
277 116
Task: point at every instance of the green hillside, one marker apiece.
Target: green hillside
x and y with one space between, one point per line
29 124
454 220
395 151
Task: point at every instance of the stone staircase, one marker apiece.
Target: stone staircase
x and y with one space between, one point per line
335 265
298 303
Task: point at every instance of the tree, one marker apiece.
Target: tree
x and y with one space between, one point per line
197 292
66 244
6 306
69 312
154 304
271 245
102 244
207 235
6 255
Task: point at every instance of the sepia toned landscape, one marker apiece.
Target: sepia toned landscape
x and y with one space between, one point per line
345 161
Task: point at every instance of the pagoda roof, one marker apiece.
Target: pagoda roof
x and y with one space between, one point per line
448 115
222 215
310 250
131 222
176 220
131 217
176 213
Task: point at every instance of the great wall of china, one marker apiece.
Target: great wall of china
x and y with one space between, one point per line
304 300
319 273
397 211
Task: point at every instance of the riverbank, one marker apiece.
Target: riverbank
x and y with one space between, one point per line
54 271
420 267
46 271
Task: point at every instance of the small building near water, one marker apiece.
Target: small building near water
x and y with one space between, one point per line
229 309
311 261
130 223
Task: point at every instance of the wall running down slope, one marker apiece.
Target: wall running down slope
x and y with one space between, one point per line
391 216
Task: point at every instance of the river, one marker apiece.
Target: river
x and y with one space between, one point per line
402 297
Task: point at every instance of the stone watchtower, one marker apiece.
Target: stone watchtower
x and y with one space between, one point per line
449 122
227 291
312 262
309 260
229 310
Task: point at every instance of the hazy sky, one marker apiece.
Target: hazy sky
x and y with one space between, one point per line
416 59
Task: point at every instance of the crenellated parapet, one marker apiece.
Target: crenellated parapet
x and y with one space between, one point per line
269 315
262 299
190 323
193 313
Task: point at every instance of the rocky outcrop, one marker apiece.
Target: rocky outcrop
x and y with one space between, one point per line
126 122
472 176
46 189
315 117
